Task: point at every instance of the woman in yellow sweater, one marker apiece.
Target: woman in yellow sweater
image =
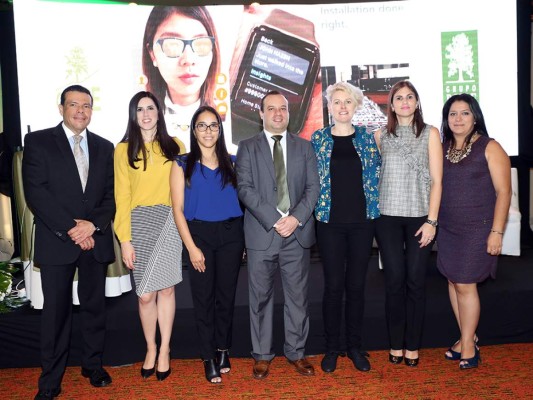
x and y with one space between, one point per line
150 243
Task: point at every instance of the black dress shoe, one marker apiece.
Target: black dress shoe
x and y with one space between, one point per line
329 362
359 359
98 377
47 394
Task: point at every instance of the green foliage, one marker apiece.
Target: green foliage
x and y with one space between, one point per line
7 302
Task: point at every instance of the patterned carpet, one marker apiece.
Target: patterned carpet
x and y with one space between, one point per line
505 373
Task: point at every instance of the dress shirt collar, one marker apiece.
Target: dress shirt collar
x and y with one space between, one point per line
71 134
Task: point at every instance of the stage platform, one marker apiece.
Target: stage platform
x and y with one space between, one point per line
506 317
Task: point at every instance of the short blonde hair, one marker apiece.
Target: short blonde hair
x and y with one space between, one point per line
353 91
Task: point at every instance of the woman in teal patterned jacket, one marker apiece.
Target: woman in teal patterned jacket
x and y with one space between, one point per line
348 167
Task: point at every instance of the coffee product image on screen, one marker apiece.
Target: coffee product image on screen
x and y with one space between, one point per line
273 60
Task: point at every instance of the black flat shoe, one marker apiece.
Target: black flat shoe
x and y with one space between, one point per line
211 370
359 359
329 362
395 359
222 360
162 375
411 362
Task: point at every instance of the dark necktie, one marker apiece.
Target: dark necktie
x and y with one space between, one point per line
81 160
281 175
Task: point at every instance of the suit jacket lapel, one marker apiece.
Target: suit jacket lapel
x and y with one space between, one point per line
291 151
66 151
93 154
264 150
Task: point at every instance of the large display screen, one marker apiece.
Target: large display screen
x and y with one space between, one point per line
444 47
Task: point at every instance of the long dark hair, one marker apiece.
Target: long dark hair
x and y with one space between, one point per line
133 136
418 118
156 84
479 120
225 166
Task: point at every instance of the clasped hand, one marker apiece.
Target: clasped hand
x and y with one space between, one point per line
82 234
286 226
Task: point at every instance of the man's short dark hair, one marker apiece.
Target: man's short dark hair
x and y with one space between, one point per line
272 92
75 88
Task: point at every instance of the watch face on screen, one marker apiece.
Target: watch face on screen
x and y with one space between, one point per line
273 60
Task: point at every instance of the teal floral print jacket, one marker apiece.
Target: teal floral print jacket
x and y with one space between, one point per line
368 152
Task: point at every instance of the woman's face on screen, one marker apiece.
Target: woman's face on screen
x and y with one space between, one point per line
183 52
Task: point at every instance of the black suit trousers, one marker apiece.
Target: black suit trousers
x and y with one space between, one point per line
56 318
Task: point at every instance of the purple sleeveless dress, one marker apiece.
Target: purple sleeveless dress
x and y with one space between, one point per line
465 217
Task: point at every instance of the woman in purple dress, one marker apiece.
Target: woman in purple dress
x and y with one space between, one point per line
476 195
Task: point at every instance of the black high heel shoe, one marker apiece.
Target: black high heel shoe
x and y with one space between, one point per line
211 370
395 359
147 373
162 375
411 362
456 355
222 360
468 363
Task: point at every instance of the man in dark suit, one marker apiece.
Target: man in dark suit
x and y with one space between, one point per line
279 230
68 183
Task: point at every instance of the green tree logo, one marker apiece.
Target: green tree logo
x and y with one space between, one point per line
76 65
459 63
461 57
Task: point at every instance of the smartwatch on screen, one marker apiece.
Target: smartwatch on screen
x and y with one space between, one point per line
281 54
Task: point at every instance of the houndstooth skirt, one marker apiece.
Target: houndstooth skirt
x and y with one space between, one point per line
158 249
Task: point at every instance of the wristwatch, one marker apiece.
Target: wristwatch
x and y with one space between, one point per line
432 222
281 53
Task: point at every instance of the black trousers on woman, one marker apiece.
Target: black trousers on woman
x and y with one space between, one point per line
213 291
405 265
345 250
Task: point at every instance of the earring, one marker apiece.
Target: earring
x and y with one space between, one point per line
155 63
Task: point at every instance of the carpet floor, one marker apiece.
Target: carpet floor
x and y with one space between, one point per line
505 373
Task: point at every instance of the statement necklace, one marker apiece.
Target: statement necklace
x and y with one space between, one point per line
456 155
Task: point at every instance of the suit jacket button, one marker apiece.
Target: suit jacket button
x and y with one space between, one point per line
275 189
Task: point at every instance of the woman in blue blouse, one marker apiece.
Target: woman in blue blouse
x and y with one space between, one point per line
348 167
209 218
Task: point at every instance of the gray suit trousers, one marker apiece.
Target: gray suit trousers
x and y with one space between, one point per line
293 261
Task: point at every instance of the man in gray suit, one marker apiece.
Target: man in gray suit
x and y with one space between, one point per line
279 230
